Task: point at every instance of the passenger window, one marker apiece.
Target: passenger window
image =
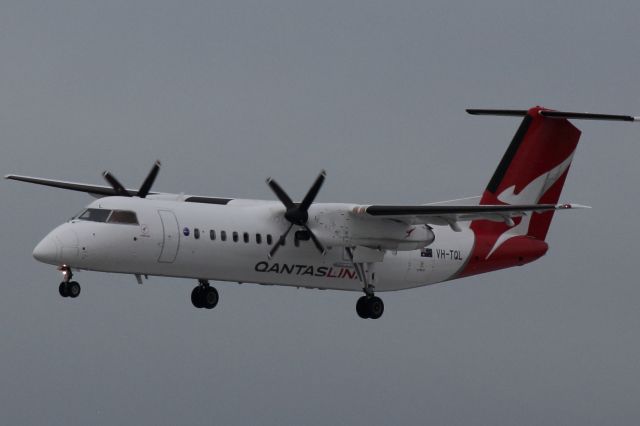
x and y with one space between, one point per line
235 237
123 216
95 215
212 235
196 233
245 237
223 235
258 238
269 239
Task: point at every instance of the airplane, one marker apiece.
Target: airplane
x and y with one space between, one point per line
338 246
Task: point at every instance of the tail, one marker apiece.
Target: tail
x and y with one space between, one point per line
532 171
534 168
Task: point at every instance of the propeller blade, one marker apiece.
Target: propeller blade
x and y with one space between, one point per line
297 214
315 240
117 186
148 182
280 242
313 192
282 196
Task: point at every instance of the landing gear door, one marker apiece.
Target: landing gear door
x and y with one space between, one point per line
170 237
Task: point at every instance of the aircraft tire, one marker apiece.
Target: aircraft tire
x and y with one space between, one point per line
362 307
73 289
196 297
375 307
209 297
62 289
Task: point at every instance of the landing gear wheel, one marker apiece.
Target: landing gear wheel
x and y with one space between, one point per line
196 297
376 307
370 307
73 289
62 288
209 297
204 296
362 308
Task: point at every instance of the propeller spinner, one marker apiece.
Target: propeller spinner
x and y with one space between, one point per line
297 214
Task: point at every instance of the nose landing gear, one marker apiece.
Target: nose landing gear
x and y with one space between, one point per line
204 296
68 288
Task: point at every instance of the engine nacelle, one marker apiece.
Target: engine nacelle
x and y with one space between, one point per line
340 228
409 237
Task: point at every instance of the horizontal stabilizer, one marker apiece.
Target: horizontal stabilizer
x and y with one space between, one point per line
504 112
554 114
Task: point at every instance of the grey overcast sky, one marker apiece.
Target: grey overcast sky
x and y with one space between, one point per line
228 93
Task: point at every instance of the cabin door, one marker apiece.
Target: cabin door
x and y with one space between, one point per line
170 236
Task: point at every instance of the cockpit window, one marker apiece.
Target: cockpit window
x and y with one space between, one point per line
95 215
123 216
110 216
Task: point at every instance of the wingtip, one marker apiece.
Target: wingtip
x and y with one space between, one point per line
572 206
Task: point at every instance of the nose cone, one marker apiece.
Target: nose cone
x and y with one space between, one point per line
47 250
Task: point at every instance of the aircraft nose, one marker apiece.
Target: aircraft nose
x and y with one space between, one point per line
47 250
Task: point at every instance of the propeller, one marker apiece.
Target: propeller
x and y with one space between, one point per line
119 189
297 214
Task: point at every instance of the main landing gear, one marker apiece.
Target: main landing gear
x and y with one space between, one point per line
370 307
68 288
204 296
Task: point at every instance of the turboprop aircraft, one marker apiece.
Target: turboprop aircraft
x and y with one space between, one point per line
352 247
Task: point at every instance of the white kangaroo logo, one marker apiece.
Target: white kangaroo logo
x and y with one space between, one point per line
530 194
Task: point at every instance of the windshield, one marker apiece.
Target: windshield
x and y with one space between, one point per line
95 215
111 216
123 216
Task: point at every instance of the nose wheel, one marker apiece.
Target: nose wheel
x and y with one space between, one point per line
68 288
204 296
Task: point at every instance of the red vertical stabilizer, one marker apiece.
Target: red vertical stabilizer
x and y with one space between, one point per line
532 171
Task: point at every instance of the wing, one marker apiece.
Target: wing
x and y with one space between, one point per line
452 214
99 191
94 190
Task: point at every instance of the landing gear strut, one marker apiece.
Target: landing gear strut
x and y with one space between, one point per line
369 305
68 288
204 296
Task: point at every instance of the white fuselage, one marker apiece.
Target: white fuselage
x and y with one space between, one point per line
164 243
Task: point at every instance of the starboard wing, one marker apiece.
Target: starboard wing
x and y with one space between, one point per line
452 214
